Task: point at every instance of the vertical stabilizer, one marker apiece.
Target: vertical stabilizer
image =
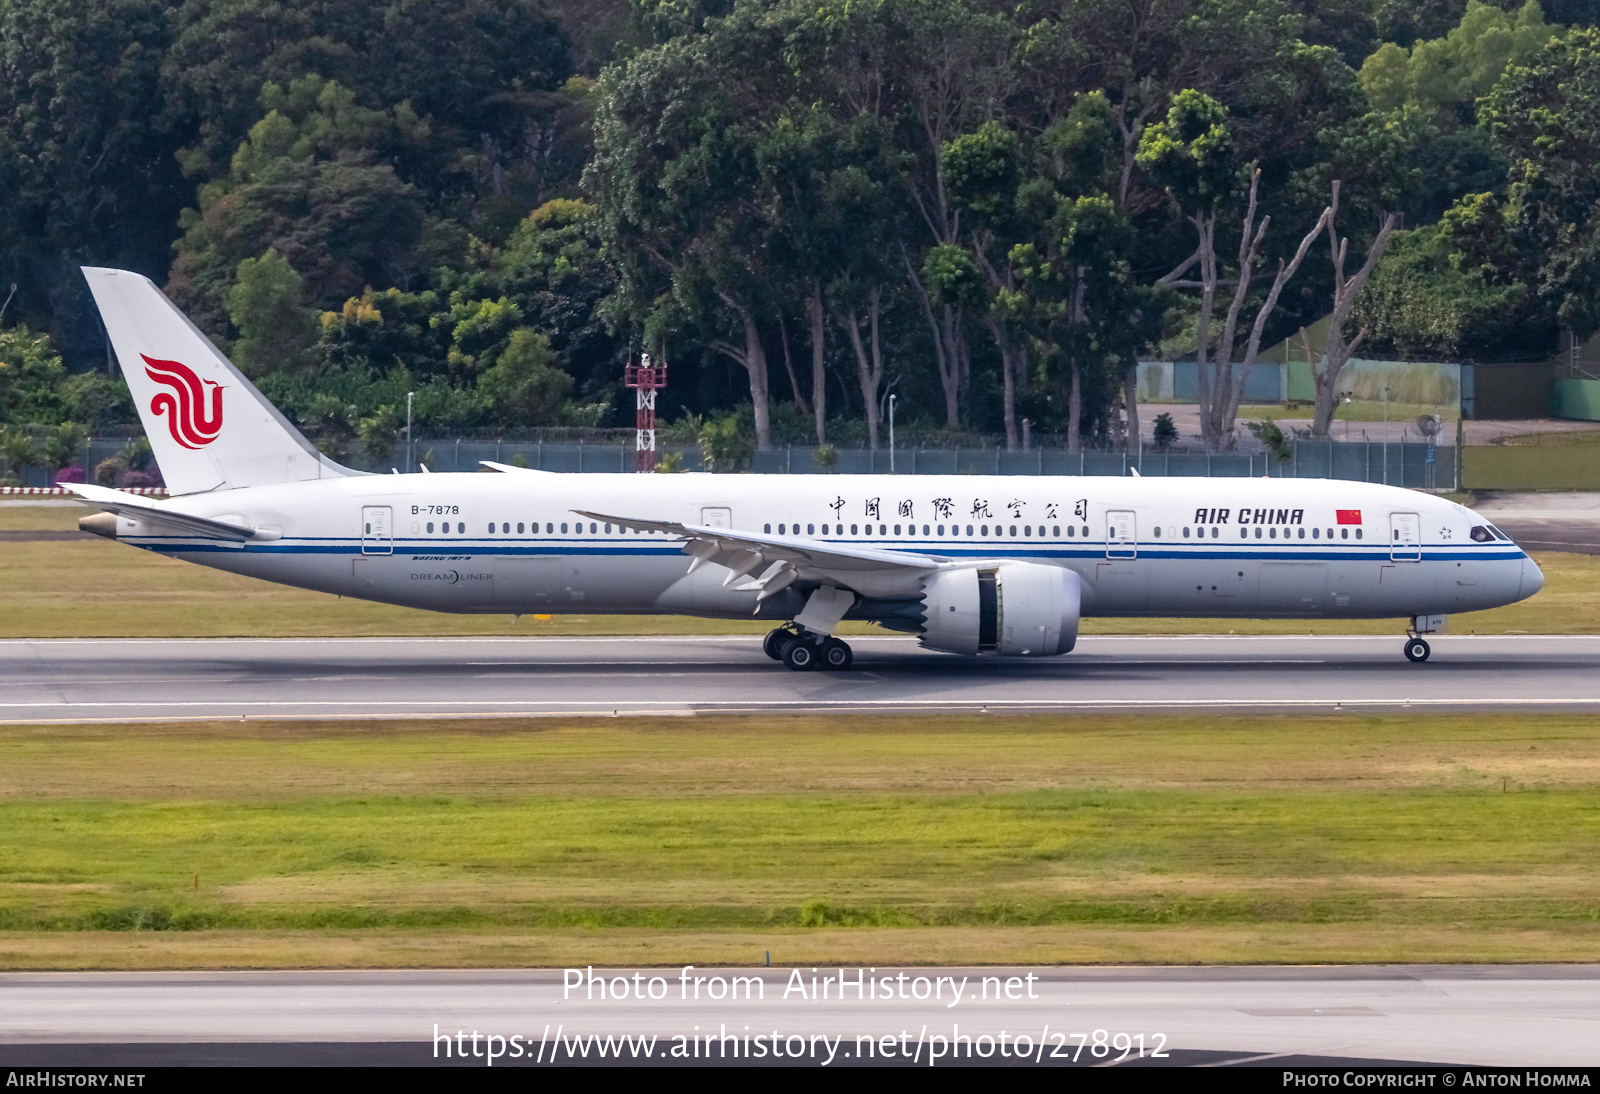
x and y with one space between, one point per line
209 427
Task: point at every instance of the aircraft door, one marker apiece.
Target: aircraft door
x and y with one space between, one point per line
1405 537
1122 540
377 530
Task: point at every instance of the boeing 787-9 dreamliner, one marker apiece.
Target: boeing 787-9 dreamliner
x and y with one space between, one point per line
971 565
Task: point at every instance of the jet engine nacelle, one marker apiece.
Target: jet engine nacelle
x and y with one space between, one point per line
1017 608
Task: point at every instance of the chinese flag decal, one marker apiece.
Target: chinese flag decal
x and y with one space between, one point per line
1348 516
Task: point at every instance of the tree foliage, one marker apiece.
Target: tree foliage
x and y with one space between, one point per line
990 211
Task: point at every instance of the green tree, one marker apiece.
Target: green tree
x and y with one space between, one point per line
87 141
1444 77
64 444
1165 433
724 444
267 307
1545 116
525 386
31 378
379 432
310 183
19 450
97 400
552 268
484 72
1428 300
673 177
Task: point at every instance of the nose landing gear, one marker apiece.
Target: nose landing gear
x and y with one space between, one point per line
803 650
1417 650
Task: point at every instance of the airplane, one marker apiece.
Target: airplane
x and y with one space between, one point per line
971 565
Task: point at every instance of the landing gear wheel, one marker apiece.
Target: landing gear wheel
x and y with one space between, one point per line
772 645
836 655
1417 650
800 655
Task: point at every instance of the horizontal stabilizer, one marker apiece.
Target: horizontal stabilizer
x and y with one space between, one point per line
136 508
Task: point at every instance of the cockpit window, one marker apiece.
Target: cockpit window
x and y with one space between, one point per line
1480 534
1498 534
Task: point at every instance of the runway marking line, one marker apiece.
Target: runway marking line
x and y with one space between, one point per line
284 711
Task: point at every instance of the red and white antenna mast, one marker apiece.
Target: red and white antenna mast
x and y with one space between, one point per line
646 379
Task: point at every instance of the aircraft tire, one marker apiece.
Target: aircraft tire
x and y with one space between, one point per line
1417 650
801 656
772 644
836 655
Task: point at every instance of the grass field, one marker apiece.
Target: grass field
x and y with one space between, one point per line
97 588
933 840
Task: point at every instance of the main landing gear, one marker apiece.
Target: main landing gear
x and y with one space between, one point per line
1417 649
803 650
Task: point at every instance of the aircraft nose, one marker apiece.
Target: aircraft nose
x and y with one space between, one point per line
1532 579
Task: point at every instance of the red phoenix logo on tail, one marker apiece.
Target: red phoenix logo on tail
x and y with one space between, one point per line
185 405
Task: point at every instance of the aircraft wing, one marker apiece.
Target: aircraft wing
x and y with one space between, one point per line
136 507
780 560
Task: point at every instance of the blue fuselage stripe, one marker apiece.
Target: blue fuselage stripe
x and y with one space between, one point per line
960 549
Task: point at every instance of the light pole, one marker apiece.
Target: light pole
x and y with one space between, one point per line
411 449
891 434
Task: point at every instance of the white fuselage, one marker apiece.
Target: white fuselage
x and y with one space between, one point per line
513 542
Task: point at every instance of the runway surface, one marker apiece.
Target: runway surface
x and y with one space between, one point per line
1477 1015
118 680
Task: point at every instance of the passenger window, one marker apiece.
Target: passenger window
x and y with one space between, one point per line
1156 532
549 529
461 529
767 528
811 529
1344 533
1358 533
1274 533
1055 530
608 529
1013 531
924 529
853 530
1215 532
1315 532
1302 534
1071 531
519 527
430 526
563 528
1027 529
1085 531
1186 533
983 530
969 530
897 529
1480 534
